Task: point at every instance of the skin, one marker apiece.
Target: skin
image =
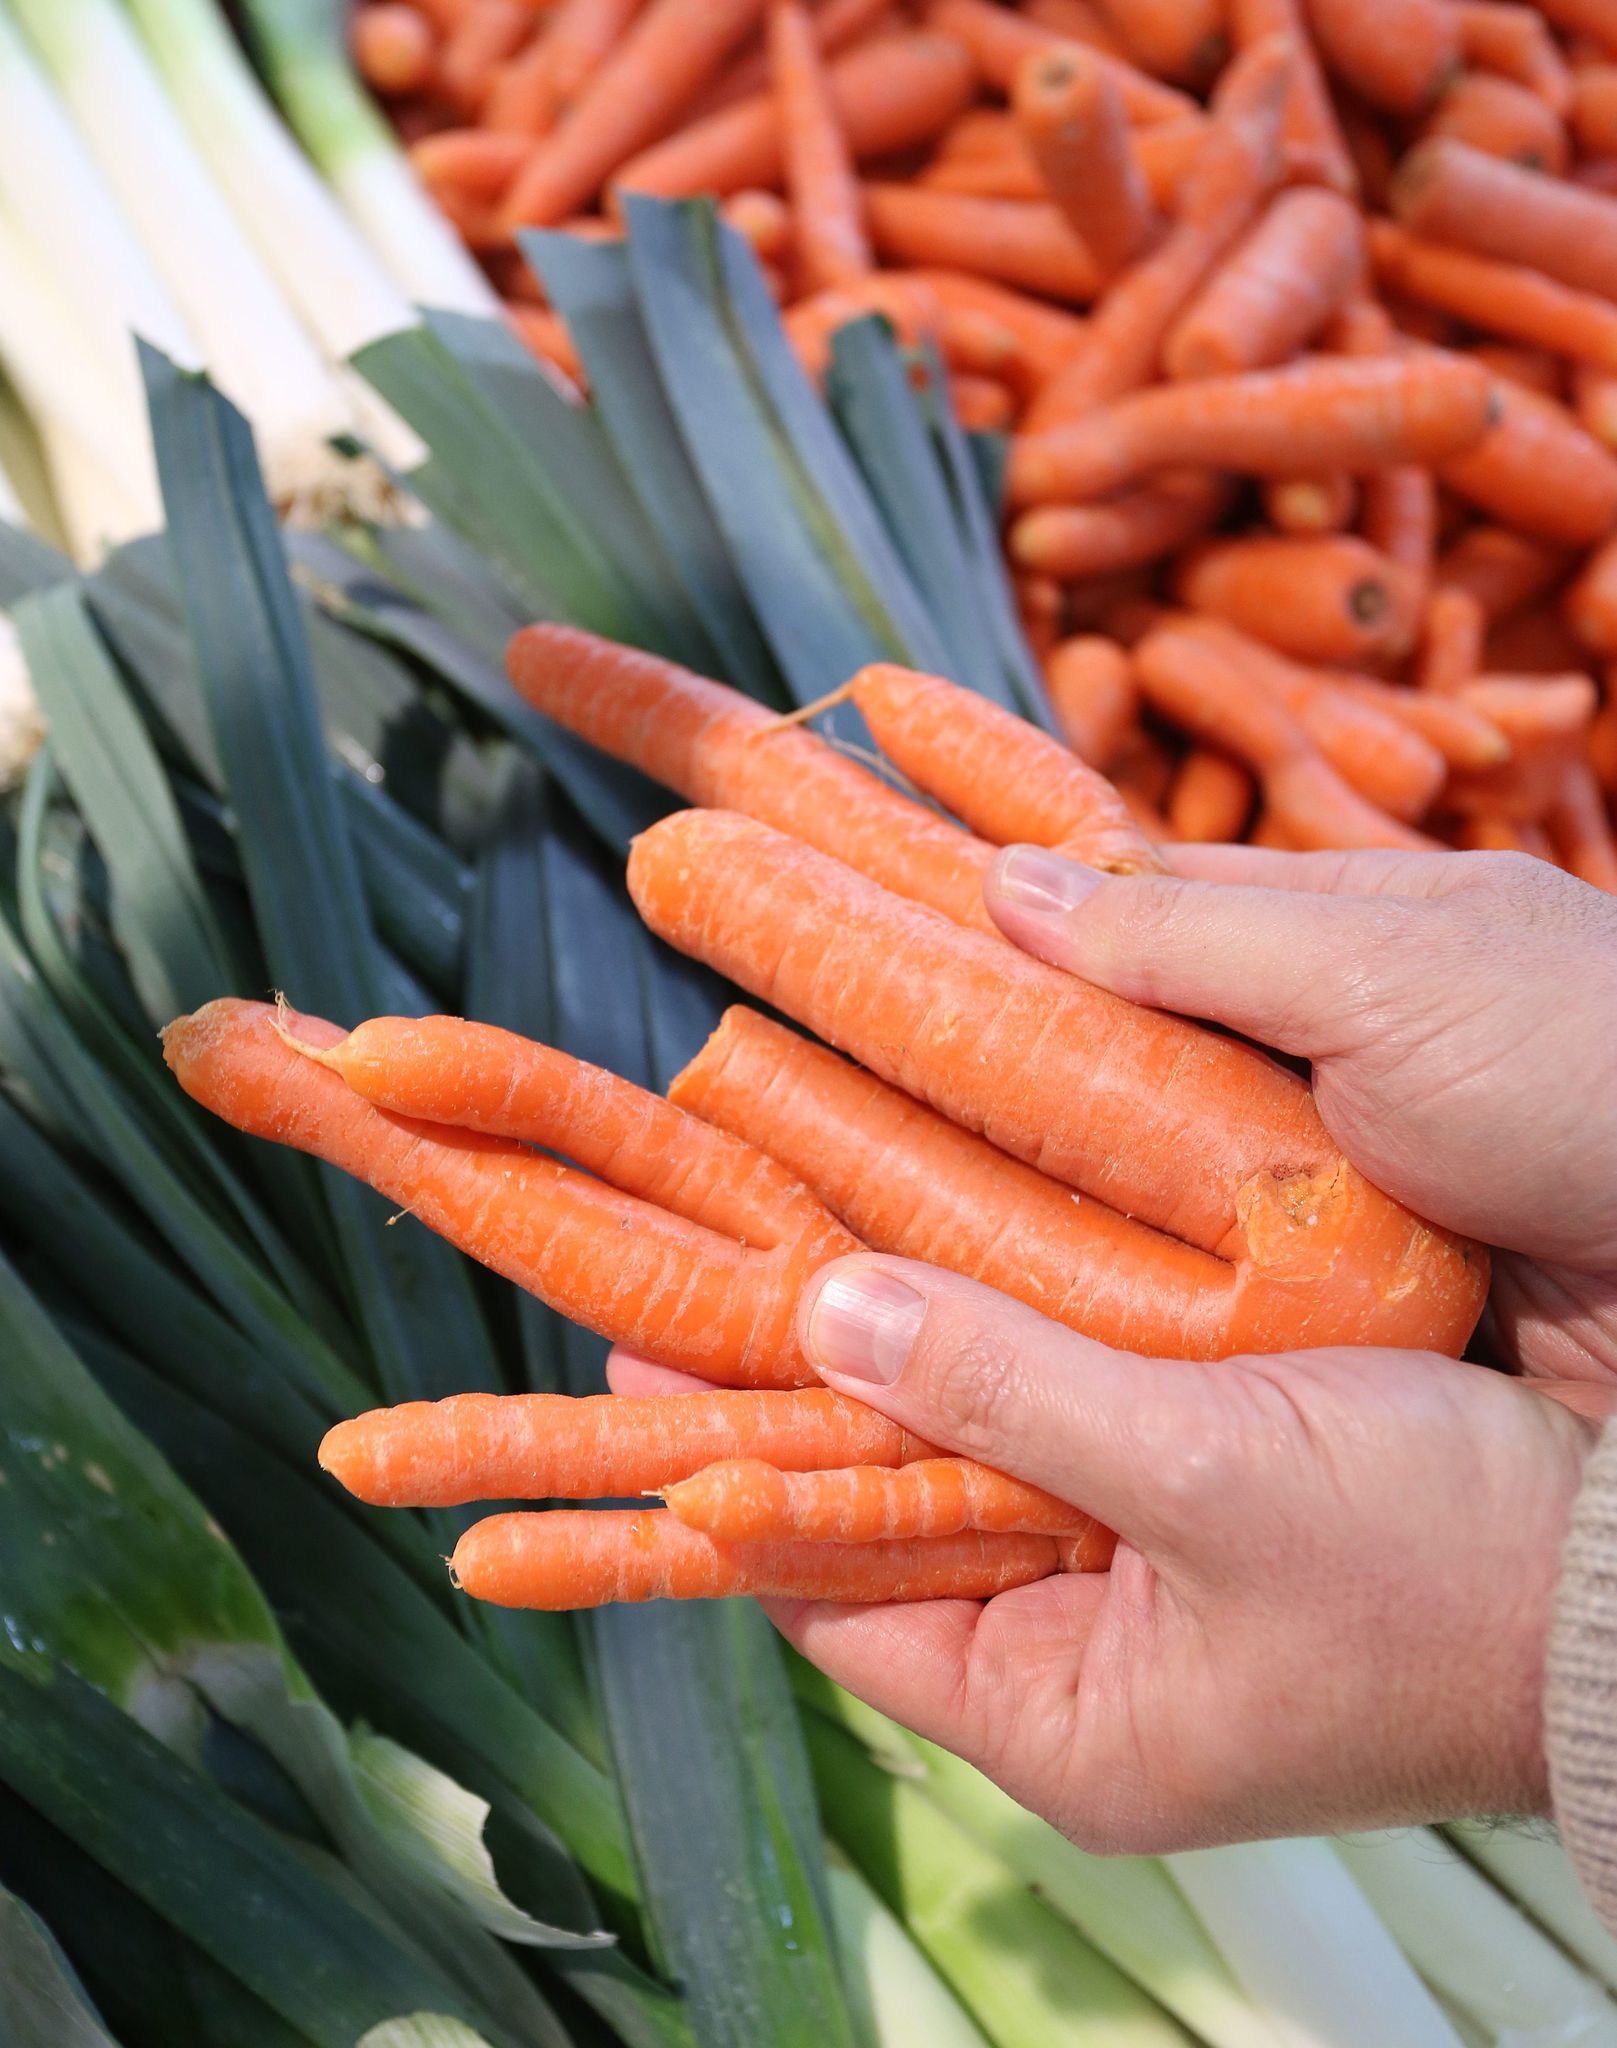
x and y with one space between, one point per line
1330 1605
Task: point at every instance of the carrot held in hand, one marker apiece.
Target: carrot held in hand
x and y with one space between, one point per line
672 1288
1070 115
570 1558
747 1500
827 213
1275 291
1324 413
1331 599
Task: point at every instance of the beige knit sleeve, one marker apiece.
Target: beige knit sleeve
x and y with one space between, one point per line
1580 1698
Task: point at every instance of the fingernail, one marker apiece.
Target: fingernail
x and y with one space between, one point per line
1034 879
864 1325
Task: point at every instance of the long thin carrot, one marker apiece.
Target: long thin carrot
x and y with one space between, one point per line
672 1289
1594 402
1185 40
1600 741
1398 55
1448 192
576 40
1594 109
671 51
579 1558
1212 796
488 33
746 1500
1502 298
888 95
1591 601
394 48
1093 695
1536 469
1580 831
1071 117
429 1454
1275 291
1331 599
1462 735
1046 335
1513 41
1545 719
1503 119
1124 532
477 162
1315 146
1324 413
1502 569
1000 42
1028 245
831 246
1452 637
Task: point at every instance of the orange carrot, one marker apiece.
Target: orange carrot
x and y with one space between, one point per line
489 32
1311 504
1580 831
1502 298
1451 639
1503 119
1191 1133
902 297
670 52
572 1558
672 1288
1512 40
1212 796
1399 504
579 35
1332 599
1000 42
837 25
1028 245
1503 570
1071 117
764 219
1041 609
1122 533
1536 642
1594 402
889 96
746 1500
1398 55
982 405
1325 413
1046 335
1093 695
1536 469
1446 191
394 49
1237 163
473 161
1600 741
432 1454
1534 369
1276 289
1593 20
1591 601
546 334
1078 20
1184 40
827 213
1463 736
1545 719
1594 109
1487 832
1315 147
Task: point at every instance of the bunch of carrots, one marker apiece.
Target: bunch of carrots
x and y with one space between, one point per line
1301 316
1155 1184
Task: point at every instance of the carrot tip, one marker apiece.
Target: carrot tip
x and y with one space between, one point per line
322 1055
804 712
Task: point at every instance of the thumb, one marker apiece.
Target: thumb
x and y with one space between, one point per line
1288 967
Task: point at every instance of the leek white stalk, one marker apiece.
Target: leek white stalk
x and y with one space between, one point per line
895 1992
1308 1947
1472 1945
22 727
300 44
250 339
1530 1864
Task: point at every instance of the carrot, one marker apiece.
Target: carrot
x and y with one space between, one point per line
1488 833
670 52
746 1500
1124 532
1502 119
1041 609
827 213
1000 41
1398 504
1594 109
837 26
982 405
1315 147
1275 290
1591 601
1544 718
1537 642
473 161
1580 831
1513 42
1398 55
1451 639
1463 736
901 297
1183 40
1046 335
1194 683
1071 117
1536 469
1077 20
489 32
1331 599
576 40
1311 504
394 49
889 96
1027 245
673 1288
1012 174
1534 369
546 334
1501 298
1600 741
1001 776
1324 413
1237 163
572 1558
1503 570
1212 796
765 221
1093 695
1446 191
1594 402
1594 19
1191 1133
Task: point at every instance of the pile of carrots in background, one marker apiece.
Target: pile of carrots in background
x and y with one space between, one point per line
1302 321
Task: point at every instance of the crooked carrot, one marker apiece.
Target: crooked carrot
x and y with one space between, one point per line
746 1500
1071 118
830 243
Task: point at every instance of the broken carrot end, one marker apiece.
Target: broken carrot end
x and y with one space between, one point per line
803 714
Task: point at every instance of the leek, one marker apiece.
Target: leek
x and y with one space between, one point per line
300 43
1530 1864
1474 1948
252 341
898 1998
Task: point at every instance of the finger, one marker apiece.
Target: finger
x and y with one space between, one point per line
627 1373
1370 871
981 1374
1288 967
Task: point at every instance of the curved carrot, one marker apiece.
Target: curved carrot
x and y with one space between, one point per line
1462 735
1513 41
888 95
1331 599
1446 191
1093 695
1191 1133
1211 798
1001 40
1545 719
436 1454
1398 55
578 1558
1535 468
1502 298
1071 118
394 49
1046 335
1325 413
1503 119
672 1289
1275 291
827 213
746 1500
1125 532
1028 245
